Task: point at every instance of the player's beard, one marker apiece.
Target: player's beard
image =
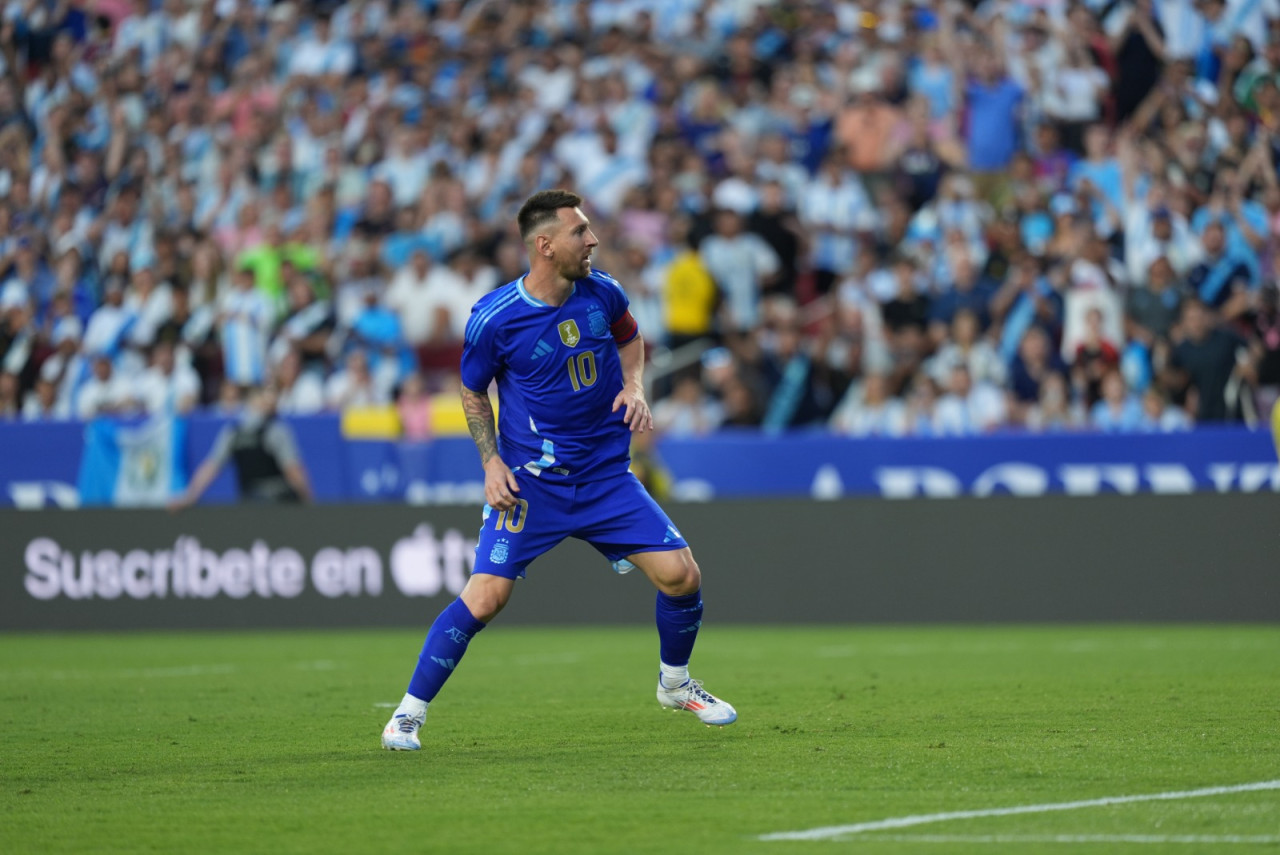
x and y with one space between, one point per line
579 268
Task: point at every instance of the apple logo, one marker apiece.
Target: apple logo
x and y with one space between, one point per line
415 564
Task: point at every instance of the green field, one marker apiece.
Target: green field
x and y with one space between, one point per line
551 741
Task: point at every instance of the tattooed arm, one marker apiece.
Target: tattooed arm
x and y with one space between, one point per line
500 484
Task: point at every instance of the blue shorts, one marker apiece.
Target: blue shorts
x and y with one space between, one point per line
617 516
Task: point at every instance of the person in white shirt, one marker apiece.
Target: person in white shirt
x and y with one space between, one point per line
103 393
832 206
424 295
867 410
1154 231
967 349
774 164
168 387
1074 93
742 264
109 322
688 410
403 169
477 279
151 303
299 393
321 54
968 408
354 385
42 403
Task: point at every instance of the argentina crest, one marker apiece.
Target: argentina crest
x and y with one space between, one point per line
569 332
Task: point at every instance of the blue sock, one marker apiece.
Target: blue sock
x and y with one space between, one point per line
678 621
446 641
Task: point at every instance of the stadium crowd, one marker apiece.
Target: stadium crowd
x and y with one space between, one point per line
892 217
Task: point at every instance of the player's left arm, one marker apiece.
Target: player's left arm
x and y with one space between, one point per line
631 399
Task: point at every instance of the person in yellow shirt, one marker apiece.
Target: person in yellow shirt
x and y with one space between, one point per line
689 294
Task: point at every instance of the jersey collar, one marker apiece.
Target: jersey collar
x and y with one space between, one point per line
534 301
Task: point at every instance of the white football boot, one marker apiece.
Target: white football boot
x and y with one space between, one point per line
690 696
401 733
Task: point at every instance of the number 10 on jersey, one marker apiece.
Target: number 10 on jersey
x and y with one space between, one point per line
513 520
582 370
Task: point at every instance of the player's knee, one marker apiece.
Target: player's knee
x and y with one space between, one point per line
688 577
485 596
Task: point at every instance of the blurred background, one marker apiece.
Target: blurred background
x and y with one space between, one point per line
1007 247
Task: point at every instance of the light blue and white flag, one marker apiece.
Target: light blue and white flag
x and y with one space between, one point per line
132 465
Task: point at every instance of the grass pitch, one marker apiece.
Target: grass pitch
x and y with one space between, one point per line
551 741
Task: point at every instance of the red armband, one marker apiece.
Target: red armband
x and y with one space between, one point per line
624 329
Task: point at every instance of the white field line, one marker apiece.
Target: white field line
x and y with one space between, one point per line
1075 838
827 832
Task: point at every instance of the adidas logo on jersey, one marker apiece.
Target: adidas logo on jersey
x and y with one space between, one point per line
541 349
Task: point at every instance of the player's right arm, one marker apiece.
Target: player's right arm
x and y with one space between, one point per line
500 484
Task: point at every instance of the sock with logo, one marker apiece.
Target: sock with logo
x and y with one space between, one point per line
678 621
446 641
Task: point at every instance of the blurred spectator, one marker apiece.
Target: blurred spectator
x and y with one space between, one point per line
967 349
1152 309
422 294
110 321
10 397
299 391
307 328
353 385
104 392
993 99
413 405
1096 282
168 387
687 411
743 267
1137 39
1026 298
868 410
1264 348
244 321
264 451
1054 410
1220 279
1074 94
41 404
775 220
967 291
1096 356
1205 364
151 304
968 407
922 405
1117 409
377 333
832 207
1158 416
865 129
1036 363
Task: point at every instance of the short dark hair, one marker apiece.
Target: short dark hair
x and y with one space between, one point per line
540 209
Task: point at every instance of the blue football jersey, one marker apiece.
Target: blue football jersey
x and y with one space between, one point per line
558 372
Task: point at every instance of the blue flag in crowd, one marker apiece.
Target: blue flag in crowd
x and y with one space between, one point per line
131 464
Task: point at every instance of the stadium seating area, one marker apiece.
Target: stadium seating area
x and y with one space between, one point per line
903 217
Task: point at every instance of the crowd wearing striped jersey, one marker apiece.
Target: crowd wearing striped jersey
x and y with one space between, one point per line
558 372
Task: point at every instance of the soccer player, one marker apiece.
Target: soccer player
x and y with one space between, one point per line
568 359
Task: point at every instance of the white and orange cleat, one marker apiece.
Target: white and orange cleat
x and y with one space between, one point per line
401 733
690 696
